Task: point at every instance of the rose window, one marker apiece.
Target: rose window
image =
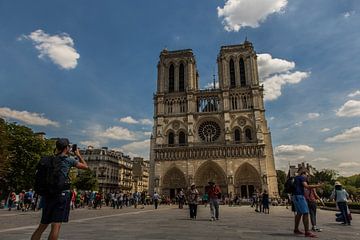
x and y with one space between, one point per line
209 131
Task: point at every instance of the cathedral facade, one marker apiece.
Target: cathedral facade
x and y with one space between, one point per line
219 133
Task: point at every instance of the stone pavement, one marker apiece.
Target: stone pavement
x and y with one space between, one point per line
169 222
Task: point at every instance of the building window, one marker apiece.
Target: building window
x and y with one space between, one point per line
182 138
171 138
248 135
232 74
242 73
181 78
171 78
237 136
209 131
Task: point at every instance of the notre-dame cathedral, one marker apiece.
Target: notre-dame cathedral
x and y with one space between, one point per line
219 133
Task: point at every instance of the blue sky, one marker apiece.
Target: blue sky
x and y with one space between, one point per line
86 70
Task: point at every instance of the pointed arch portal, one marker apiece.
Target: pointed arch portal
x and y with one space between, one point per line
173 181
247 179
210 171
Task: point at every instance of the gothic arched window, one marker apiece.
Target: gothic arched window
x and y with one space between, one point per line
248 135
182 138
181 78
232 74
237 136
171 78
242 73
171 138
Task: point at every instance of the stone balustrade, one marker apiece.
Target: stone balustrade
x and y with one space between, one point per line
166 152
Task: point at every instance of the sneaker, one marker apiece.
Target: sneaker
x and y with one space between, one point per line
212 219
310 234
298 232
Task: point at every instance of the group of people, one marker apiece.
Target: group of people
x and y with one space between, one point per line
304 201
27 200
56 207
260 202
213 197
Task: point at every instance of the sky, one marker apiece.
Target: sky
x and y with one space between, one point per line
86 69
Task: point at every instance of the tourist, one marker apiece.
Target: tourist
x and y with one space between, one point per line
193 201
214 193
311 198
181 198
156 198
301 207
57 206
341 197
205 199
11 199
265 202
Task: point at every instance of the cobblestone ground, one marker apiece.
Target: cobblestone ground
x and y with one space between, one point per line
169 222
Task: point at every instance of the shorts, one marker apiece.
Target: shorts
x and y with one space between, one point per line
56 208
300 204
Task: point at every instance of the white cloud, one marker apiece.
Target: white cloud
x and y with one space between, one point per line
350 109
210 85
269 66
274 73
140 148
95 144
349 164
58 48
321 159
131 120
27 117
313 115
348 135
348 14
146 121
147 133
354 94
237 14
325 129
298 124
293 149
117 133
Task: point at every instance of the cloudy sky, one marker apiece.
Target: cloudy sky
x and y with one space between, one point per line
87 69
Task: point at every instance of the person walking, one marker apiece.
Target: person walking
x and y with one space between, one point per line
193 201
341 197
57 206
156 198
301 207
214 193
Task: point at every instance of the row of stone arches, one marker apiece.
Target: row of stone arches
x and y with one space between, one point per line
245 180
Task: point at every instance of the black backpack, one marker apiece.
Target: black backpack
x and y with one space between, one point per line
49 179
289 186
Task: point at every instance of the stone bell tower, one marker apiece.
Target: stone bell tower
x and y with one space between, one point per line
219 133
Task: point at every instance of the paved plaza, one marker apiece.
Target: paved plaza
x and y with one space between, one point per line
169 222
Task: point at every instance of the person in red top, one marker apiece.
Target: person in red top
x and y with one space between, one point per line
214 193
311 197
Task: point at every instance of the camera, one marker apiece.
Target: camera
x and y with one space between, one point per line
74 147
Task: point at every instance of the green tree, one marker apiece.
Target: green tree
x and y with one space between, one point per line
86 180
22 151
326 176
281 179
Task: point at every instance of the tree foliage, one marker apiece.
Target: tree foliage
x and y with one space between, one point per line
86 180
20 151
281 179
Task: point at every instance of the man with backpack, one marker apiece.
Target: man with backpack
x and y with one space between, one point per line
301 207
53 184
